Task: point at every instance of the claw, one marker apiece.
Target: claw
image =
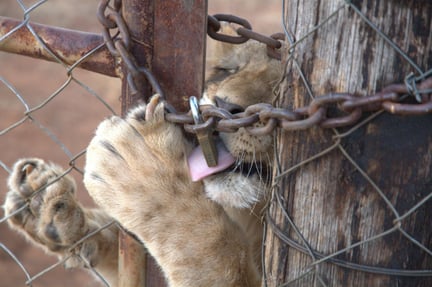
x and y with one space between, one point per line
26 170
151 106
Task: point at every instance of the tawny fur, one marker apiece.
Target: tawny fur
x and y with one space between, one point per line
51 217
201 234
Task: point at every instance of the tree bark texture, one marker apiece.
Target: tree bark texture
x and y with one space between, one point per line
330 199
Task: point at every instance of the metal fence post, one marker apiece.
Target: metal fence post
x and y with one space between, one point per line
168 39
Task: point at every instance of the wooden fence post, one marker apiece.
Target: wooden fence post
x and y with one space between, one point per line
334 201
169 40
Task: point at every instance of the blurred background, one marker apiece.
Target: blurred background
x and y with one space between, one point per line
63 127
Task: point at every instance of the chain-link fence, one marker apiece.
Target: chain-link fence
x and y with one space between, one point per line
50 111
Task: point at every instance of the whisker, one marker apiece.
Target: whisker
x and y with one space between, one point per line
259 168
241 161
269 166
252 163
237 164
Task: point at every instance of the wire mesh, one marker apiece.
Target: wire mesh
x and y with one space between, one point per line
55 108
48 110
293 233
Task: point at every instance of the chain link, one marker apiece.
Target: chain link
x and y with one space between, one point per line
244 32
119 45
347 107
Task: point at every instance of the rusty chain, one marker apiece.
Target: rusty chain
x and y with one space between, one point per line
349 107
244 32
119 44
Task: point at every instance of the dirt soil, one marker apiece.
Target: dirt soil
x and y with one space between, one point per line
63 126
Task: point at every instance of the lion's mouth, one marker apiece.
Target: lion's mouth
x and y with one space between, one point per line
199 169
248 169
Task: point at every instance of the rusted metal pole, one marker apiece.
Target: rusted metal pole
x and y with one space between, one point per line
132 262
69 46
138 16
169 40
180 29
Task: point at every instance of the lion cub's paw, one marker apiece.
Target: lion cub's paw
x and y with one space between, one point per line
41 204
129 158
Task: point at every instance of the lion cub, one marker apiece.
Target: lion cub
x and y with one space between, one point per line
205 232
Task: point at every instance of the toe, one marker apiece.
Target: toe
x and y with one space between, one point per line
22 170
15 207
151 107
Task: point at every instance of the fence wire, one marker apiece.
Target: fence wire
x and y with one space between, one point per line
31 115
280 218
50 110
